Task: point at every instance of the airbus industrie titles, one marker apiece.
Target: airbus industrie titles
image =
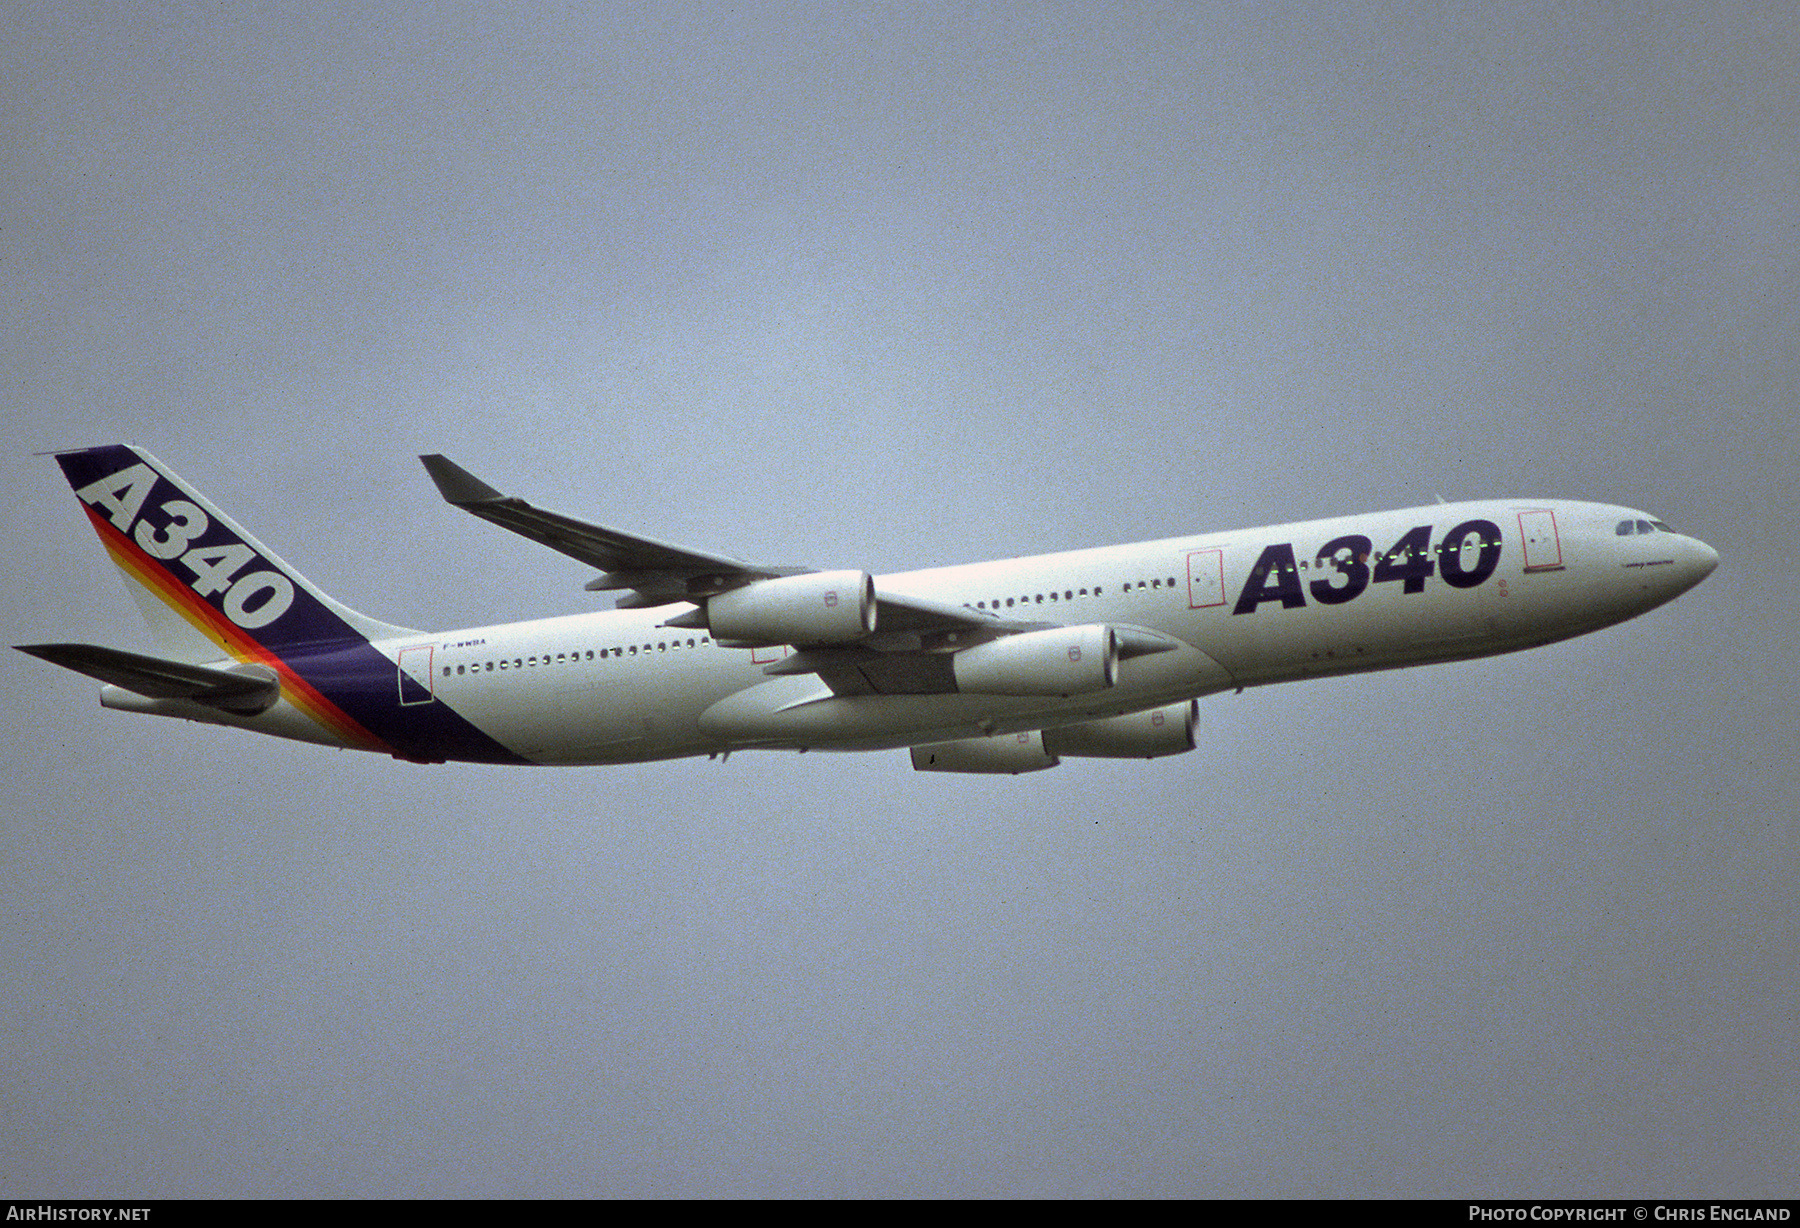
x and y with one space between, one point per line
1003 666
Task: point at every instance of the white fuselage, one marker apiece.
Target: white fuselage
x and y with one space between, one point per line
998 666
1248 607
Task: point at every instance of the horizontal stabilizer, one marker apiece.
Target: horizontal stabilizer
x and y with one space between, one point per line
242 689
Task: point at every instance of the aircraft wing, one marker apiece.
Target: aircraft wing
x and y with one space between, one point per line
658 573
909 650
655 572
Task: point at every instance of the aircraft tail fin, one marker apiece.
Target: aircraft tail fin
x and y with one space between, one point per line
206 587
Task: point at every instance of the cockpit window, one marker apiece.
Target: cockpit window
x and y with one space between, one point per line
1644 526
1626 528
1661 527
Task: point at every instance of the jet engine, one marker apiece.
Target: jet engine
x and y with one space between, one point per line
1135 735
1060 661
821 607
1009 753
1150 734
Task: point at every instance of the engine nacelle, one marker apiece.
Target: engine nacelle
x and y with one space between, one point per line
1060 661
1009 753
822 607
1135 735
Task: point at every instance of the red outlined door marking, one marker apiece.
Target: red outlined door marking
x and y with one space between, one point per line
415 675
1543 545
1206 578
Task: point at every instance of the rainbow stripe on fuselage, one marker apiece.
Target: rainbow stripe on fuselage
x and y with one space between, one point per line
242 598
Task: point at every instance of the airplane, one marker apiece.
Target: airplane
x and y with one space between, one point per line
997 667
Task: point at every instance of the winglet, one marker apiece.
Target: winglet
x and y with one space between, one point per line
457 484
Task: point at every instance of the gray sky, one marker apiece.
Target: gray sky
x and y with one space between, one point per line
884 288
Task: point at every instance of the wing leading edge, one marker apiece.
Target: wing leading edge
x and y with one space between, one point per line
907 650
654 572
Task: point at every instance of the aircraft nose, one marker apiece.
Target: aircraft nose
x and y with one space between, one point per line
1702 559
